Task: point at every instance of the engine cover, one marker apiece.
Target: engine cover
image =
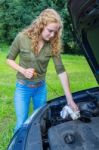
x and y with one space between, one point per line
75 135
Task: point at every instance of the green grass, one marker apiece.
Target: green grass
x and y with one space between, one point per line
80 77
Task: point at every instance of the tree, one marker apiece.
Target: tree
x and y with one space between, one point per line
17 14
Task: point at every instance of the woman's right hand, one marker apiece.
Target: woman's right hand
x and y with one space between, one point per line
29 73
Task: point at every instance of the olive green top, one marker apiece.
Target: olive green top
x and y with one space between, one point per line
22 46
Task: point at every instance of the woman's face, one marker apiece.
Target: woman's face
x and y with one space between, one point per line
49 31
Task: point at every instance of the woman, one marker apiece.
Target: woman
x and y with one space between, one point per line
35 46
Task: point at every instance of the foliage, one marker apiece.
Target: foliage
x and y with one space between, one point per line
17 14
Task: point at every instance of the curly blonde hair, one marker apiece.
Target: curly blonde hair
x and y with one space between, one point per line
34 30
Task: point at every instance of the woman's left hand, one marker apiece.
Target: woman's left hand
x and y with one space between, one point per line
73 106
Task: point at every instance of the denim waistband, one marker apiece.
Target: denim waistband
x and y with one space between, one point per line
25 82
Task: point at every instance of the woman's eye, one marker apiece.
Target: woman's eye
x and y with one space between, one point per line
50 31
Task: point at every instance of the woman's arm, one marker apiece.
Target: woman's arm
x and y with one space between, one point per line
28 73
65 83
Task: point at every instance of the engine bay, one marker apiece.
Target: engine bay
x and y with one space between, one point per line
81 134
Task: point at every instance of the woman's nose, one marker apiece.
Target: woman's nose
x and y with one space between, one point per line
52 34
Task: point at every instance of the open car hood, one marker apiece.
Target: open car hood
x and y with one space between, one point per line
85 20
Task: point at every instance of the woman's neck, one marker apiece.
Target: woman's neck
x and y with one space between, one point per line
40 44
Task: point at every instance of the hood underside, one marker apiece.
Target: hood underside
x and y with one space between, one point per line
85 20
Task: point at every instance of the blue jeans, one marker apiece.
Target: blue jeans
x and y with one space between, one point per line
25 90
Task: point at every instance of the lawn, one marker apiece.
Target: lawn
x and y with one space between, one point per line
80 77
